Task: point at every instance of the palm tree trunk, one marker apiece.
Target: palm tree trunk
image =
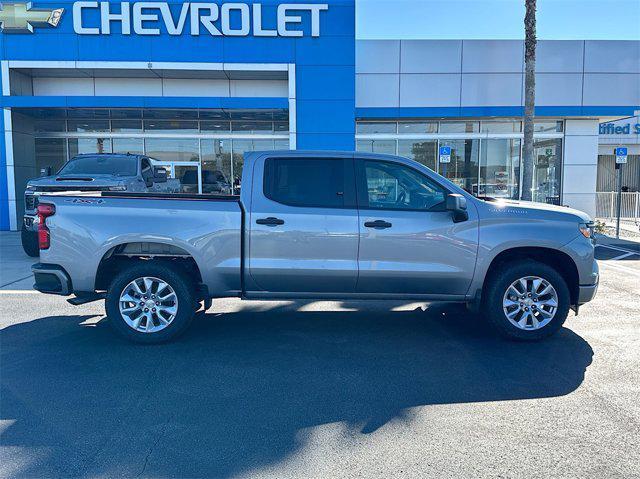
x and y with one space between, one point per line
529 98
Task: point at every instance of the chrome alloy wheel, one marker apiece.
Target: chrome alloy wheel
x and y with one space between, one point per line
530 303
148 304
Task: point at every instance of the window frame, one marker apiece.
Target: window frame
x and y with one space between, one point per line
349 195
363 190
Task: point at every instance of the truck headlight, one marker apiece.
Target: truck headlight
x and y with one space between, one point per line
586 229
118 188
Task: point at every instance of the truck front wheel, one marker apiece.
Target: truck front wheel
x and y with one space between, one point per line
150 302
527 300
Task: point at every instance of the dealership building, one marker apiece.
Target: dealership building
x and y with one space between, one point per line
194 85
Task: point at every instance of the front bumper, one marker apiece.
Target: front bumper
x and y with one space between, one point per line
587 292
52 279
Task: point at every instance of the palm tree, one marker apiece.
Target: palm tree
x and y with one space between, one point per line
529 97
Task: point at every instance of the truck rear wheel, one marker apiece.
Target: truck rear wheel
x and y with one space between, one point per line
527 300
150 302
29 241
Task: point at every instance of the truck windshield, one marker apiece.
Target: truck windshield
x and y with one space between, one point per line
101 165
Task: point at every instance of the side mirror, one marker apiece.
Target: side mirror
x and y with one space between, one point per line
46 171
457 204
159 174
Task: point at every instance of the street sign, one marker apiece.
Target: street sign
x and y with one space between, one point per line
621 155
445 154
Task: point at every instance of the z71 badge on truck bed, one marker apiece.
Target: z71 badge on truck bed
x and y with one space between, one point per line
322 225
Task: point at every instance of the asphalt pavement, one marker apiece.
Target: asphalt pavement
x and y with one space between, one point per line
320 389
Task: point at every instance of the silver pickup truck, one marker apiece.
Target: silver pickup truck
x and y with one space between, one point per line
320 225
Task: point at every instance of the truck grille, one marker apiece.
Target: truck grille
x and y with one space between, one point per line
30 202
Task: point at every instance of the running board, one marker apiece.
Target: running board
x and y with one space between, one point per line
86 298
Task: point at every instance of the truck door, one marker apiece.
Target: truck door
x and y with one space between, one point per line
303 224
409 243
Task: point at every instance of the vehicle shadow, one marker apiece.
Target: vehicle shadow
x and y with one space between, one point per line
240 390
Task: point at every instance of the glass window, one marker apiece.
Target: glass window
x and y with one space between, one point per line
173 149
80 146
459 127
126 114
188 177
377 146
88 126
215 125
171 114
499 169
421 151
280 144
376 127
547 126
135 146
126 126
418 127
395 186
50 152
102 165
41 126
547 170
500 127
239 149
463 167
88 113
252 126
310 183
216 166
171 126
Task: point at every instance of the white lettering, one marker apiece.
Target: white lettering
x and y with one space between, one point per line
106 17
77 18
173 28
231 19
206 20
258 31
139 18
284 19
243 8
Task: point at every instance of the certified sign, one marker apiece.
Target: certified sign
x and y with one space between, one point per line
445 154
621 155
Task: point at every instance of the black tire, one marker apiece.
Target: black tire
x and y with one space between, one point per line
29 241
497 287
173 276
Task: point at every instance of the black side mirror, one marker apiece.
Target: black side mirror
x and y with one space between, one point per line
159 174
46 171
457 204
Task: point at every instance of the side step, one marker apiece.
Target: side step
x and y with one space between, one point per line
86 298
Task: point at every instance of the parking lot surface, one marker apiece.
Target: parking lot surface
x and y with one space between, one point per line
320 389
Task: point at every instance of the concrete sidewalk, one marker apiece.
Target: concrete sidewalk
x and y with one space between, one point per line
15 265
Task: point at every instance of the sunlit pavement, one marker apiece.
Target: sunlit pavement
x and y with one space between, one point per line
318 389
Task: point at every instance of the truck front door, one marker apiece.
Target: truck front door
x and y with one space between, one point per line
409 243
303 225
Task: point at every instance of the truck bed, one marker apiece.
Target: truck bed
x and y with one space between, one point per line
86 228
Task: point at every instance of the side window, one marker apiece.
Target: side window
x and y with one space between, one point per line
398 187
310 182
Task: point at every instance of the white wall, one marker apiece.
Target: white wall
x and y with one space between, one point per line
580 165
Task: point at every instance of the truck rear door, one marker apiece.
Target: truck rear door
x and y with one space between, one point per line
303 225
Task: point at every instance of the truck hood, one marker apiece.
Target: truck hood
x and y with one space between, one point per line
75 182
540 210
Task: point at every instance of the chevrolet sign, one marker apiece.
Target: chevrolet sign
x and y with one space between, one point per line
21 18
146 18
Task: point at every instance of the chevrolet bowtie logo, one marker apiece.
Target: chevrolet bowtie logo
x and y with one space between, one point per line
21 18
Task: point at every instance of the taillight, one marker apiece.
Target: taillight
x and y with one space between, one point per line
44 211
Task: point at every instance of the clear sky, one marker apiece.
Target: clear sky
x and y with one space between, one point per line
497 19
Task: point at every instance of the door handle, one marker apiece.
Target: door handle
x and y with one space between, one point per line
270 221
378 224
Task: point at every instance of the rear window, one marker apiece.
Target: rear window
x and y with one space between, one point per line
308 182
101 165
